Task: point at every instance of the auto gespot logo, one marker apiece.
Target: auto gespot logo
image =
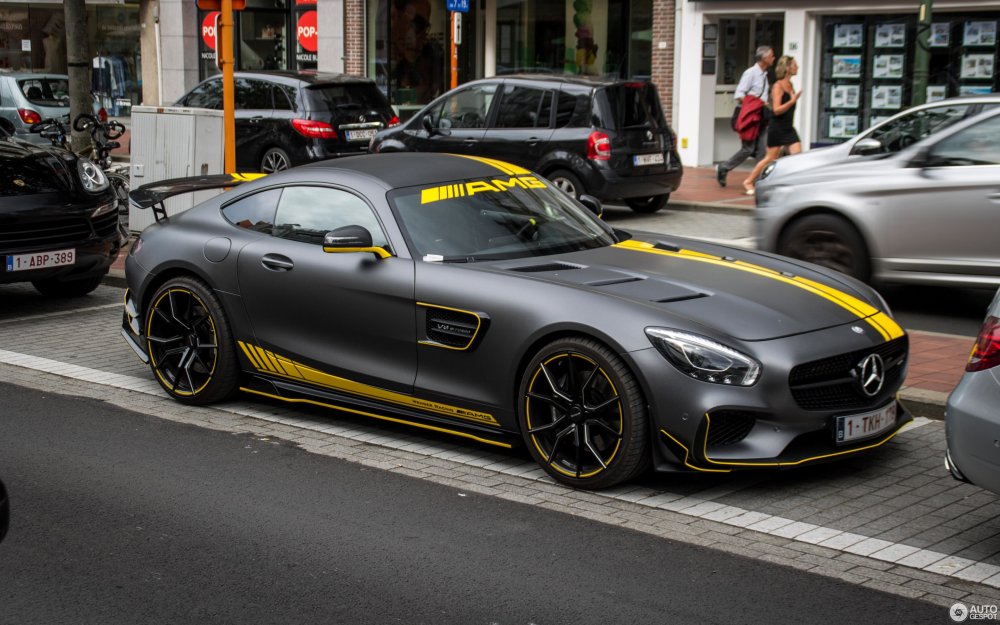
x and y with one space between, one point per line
462 189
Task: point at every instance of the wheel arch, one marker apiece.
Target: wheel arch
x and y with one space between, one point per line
161 278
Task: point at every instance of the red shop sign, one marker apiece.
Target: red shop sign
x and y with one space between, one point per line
305 31
208 29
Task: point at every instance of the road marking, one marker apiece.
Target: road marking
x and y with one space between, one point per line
698 505
62 313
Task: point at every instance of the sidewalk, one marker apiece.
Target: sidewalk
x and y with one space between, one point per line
937 361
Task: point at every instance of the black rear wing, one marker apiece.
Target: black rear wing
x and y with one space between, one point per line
152 195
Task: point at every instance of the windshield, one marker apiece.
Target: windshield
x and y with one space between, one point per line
493 219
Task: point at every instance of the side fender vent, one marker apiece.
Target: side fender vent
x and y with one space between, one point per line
451 328
545 267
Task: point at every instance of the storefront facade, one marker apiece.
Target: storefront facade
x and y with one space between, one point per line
856 63
33 38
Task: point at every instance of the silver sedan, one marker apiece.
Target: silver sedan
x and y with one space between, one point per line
927 214
972 417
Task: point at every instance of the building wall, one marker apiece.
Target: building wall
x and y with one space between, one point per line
664 51
179 33
330 16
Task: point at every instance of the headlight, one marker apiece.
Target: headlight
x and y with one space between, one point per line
92 177
704 359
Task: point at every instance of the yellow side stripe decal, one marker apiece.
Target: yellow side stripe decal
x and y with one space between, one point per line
424 426
246 177
882 323
507 168
278 365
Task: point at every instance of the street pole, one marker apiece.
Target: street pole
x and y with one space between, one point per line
922 56
224 45
78 64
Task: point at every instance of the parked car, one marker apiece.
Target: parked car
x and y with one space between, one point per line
28 98
602 137
287 118
924 215
972 419
470 297
892 135
58 219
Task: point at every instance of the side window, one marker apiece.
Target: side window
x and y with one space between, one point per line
572 110
253 94
307 213
977 145
284 98
909 129
468 107
524 107
207 95
254 212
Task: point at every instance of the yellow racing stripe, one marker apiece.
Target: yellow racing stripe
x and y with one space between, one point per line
507 168
881 322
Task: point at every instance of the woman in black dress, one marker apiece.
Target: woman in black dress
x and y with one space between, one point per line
780 132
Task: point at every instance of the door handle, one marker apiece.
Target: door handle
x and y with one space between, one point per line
470 141
256 120
533 141
277 262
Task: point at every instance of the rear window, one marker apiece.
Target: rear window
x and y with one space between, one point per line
632 105
352 96
45 91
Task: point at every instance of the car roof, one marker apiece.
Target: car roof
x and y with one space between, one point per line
566 79
311 77
407 169
23 75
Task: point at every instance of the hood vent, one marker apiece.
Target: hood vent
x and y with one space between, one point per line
610 281
545 267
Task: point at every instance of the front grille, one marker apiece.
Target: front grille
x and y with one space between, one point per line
830 383
729 427
32 231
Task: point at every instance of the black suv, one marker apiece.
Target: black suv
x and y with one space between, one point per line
285 119
601 137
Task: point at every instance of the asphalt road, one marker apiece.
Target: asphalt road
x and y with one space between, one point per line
119 517
931 309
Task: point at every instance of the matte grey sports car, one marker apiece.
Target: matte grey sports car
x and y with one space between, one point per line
470 296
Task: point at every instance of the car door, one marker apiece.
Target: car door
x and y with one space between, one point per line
945 209
457 120
254 121
346 314
520 130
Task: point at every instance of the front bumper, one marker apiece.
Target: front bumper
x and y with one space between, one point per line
608 184
699 426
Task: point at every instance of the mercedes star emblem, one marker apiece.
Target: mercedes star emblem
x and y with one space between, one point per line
361 118
871 374
649 135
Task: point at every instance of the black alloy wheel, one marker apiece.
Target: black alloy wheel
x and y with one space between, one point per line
582 415
828 241
649 204
190 346
275 159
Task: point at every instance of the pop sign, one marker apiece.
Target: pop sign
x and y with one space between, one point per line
208 29
305 31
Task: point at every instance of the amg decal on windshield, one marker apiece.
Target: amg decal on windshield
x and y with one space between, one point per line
462 189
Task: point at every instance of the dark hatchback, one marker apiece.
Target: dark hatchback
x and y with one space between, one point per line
603 137
284 119
59 225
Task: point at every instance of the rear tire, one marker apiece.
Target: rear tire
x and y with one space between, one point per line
567 182
828 241
649 204
274 160
190 345
67 288
582 414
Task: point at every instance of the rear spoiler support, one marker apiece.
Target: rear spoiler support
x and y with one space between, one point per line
153 195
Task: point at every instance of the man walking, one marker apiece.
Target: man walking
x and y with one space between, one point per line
753 82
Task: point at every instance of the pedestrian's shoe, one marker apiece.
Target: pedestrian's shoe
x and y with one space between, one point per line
720 175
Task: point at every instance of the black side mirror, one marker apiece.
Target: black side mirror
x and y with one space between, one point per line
593 204
428 125
347 239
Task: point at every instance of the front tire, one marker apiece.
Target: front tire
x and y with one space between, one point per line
649 204
829 241
582 415
190 345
